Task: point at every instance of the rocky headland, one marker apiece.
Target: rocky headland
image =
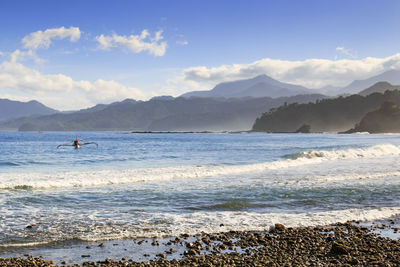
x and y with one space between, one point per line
386 119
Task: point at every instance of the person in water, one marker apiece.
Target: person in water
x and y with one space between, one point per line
76 143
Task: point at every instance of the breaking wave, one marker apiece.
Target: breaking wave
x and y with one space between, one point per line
73 179
353 153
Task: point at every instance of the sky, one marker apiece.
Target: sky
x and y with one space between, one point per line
75 54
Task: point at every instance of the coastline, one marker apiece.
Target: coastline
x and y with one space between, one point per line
350 243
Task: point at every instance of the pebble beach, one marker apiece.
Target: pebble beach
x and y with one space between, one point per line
342 244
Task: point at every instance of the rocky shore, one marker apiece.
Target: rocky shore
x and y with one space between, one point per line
348 244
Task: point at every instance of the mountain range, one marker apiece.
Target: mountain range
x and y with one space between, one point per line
265 86
178 114
10 109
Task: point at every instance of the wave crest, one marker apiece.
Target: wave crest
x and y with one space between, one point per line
352 153
130 176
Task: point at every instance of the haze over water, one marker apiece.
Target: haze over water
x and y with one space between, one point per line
145 185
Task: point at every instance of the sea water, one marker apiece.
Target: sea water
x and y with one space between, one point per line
145 185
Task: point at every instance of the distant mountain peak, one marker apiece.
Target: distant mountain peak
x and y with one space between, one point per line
128 100
379 87
258 86
381 84
392 76
263 77
10 109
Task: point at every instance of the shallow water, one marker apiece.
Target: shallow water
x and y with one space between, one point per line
145 185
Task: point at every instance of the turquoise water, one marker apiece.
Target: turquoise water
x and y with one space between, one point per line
145 185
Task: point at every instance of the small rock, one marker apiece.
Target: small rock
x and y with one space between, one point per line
190 252
280 227
339 249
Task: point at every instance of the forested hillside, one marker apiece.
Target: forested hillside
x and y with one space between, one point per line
327 115
386 119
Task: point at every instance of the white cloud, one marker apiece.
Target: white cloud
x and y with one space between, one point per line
135 43
312 73
42 39
345 52
58 90
19 55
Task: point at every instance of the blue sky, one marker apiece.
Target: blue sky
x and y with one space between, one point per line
104 51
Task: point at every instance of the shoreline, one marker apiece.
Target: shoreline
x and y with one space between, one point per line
354 243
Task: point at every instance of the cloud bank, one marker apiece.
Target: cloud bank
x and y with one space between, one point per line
58 90
134 43
312 73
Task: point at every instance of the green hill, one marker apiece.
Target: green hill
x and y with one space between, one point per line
379 87
386 119
327 115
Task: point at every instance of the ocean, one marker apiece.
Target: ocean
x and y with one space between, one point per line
136 186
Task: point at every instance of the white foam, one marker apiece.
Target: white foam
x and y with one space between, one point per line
130 176
148 225
29 244
354 176
210 222
174 224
